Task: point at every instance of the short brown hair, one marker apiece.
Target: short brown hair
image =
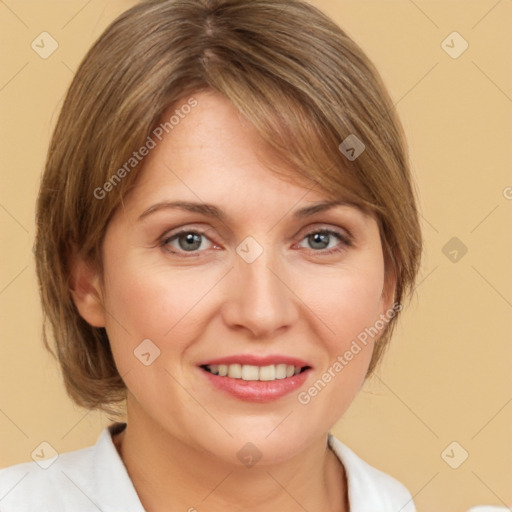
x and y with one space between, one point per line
291 71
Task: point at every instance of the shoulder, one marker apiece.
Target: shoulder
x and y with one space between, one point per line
368 487
90 479
31 486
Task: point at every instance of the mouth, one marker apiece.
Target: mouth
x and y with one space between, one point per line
250 372
255 378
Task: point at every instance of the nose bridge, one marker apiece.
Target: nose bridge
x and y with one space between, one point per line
260 279
259 299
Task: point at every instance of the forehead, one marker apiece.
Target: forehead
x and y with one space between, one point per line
212 155
212 135
214 150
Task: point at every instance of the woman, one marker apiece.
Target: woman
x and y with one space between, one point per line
226 232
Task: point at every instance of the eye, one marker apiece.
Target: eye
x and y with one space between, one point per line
185 241
327 240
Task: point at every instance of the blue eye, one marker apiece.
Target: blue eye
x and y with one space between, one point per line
188 241
321 240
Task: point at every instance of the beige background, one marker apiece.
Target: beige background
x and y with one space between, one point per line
447 376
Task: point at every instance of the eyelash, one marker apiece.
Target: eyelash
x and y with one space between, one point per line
345 239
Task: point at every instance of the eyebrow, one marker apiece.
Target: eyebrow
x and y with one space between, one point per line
210 210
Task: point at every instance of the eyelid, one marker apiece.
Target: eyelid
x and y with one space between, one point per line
173 234
345 241
184 229
343 234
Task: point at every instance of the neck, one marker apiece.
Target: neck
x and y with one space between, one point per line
164 470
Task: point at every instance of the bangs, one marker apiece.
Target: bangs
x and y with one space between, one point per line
301 137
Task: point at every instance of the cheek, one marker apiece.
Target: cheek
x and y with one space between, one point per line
349 301
152 302
358 306
156 302
348 306
146 305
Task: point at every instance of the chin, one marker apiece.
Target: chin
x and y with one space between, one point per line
256 444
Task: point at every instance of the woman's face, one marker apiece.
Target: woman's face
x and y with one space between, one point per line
250 283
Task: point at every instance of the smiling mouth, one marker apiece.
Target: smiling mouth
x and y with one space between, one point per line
254 373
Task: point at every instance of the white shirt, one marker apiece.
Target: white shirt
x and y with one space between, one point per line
95 479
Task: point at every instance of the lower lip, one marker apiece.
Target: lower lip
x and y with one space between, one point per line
256 390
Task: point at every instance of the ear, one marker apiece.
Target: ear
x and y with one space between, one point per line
86 291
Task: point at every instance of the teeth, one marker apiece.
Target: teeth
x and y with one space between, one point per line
268 372
281 371
235 371
251 372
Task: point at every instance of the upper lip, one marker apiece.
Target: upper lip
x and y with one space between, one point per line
256 360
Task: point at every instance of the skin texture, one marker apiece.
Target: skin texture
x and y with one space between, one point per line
183 435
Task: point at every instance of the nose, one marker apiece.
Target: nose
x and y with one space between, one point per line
260 299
